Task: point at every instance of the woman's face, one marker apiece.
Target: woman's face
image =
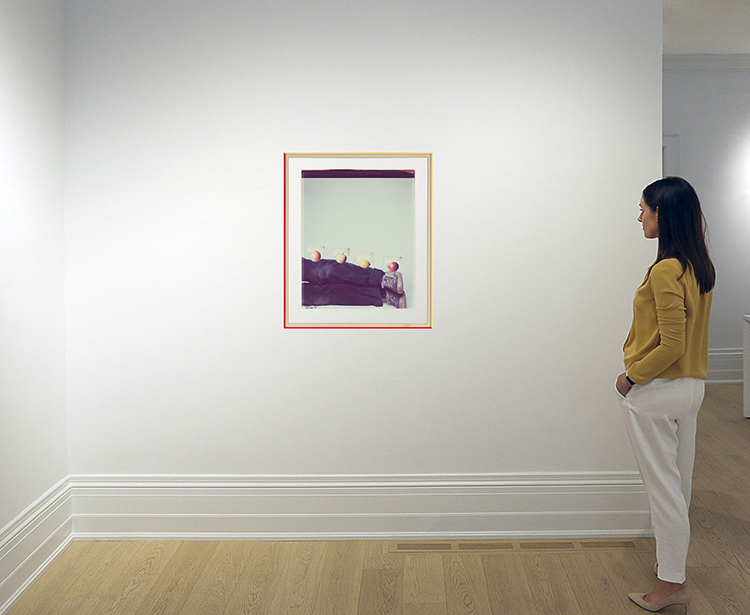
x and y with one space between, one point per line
649 218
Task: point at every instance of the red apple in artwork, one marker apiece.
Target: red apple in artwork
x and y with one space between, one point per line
393 266
315 256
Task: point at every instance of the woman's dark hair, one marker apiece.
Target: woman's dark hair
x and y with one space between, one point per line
682 228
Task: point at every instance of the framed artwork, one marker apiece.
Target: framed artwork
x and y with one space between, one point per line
358 240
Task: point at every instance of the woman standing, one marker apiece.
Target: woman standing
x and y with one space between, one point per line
666 362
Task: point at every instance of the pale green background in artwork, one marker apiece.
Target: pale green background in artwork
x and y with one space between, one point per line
364 214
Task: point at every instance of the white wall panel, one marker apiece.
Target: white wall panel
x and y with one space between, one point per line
33 421
35 510
544 122
707 103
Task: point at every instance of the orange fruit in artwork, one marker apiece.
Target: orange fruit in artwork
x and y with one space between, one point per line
341 257
364 263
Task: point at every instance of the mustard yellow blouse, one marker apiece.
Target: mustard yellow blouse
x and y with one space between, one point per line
669 335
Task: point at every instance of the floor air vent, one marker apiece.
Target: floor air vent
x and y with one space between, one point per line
522 546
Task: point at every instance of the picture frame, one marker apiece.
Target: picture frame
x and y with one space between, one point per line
355 226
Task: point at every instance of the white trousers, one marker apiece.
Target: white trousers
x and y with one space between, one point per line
661 417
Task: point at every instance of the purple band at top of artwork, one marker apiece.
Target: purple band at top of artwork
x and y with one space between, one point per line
357 173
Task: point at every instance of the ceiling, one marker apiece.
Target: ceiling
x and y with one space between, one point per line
707 26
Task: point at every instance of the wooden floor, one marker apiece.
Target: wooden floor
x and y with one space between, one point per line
556 577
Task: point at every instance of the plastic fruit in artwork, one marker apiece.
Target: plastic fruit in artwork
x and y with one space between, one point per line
393 266
364 263
315 256
341 257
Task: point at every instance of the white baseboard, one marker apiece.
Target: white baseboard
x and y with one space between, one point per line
177 507
725 366
359 507
32 541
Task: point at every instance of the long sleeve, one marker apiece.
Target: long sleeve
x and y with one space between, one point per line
669 335
668 293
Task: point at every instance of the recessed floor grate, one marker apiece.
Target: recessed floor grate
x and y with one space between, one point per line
424 546
484 546
620 545
547 546
522 546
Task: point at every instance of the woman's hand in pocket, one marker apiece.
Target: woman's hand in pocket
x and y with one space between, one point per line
622 385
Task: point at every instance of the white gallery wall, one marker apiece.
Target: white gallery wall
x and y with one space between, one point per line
544 121
707 116
33 421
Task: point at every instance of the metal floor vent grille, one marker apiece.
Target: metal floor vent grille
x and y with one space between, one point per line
522 546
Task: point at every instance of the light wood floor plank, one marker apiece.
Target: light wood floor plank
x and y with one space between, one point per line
714 475
425 609
703 551
508 587
424 582
172 589
110 558
379 557
465 585
721 590
136 578
301 579
624 573
219 579
549 585
724 441
591 583
259 581
723 534
725 403
341 579
700 603
381 592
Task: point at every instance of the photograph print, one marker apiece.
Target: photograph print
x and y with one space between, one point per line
357 241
